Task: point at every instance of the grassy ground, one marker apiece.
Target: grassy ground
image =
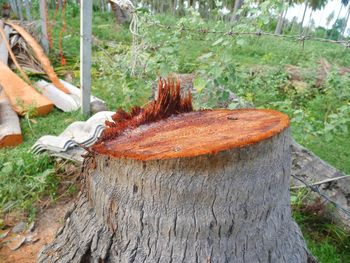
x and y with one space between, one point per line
252 67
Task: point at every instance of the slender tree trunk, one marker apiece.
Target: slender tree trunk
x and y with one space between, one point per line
181 10
302 20
14 7
279 25
342 34
19 8
340 9
237 6
44 23
121 15
103 5
309 24
192 3
29 17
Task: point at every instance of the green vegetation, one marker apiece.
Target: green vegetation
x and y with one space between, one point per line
250 66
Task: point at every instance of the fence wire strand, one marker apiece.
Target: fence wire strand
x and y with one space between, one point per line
316 189
301 38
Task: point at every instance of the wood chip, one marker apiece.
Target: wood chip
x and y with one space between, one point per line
16 242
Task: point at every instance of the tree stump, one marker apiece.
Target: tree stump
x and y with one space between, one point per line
206 186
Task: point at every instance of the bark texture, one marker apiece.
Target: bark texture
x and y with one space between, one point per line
233 206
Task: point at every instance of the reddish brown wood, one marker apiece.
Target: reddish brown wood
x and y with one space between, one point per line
169 102
195 133
21 95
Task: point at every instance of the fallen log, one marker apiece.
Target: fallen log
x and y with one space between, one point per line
40 54
10 130
166 184
21 95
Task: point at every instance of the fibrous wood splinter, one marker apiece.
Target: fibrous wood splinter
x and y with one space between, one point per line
169 102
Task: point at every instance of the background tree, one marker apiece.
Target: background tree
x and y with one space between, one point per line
314 5
238 4
342 34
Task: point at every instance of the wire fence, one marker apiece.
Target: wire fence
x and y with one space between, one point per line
316 189
301 38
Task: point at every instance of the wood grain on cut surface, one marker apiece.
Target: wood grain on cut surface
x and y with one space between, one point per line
195 133
10 130
21 95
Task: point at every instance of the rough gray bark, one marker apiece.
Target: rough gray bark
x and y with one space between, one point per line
230 207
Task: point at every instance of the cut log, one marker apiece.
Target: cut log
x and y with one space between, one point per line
21 95
207 186
10 130
40 55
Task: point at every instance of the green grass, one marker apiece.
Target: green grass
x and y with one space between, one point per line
328 242
24 177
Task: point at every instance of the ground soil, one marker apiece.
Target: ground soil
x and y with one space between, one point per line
46 225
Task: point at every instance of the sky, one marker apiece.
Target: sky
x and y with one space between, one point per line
320 17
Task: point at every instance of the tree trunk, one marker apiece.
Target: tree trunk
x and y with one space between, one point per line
342 34
302 20
219 192
29 17
192 3
44 23
102 6
120 14
279 25
14 7
237 6
181 10
19 8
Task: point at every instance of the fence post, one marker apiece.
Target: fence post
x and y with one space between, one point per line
85 54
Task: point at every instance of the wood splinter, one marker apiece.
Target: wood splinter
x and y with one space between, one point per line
169 184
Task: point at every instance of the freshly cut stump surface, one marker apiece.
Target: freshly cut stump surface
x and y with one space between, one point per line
207 186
